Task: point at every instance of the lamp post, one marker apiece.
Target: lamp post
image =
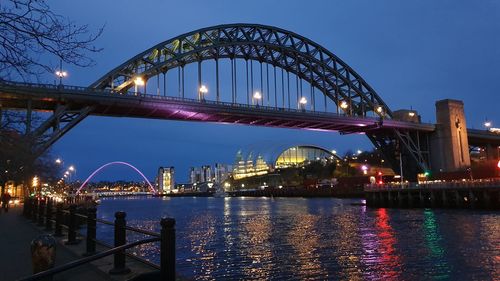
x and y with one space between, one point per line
302 103
487 125
257 96
61 73
202 92
138 81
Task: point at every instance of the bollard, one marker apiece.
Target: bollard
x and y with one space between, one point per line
48 215
120 239
167 249
72 226
59 218
43 253
91 231
41 209
36 201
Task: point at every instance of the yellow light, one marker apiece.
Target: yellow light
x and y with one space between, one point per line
344 105
411 113
139 81
303 100
380 109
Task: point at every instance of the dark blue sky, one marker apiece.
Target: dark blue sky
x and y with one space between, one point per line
411 52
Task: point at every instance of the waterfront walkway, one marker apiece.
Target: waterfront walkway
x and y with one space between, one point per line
16 233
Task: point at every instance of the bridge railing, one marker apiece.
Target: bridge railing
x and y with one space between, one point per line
93 91
42 210
479 183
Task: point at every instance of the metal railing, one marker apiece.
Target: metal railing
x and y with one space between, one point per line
480 183
41 211
100 92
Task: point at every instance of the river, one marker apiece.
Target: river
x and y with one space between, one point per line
315 239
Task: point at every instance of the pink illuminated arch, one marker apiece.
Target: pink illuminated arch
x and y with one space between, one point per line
116 163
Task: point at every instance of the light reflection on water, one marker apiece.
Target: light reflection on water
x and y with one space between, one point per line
315 239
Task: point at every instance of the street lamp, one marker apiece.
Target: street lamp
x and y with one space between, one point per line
138 81
256 97
302 103
487 124
202 92
58 161
61 73
344 105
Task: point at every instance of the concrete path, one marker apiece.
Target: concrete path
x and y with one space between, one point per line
16 233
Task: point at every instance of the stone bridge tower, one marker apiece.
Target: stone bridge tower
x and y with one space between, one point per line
449 143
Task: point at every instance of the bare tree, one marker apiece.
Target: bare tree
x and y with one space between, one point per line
17 161
30 30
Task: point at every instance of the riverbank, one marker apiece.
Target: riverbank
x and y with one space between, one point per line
17 233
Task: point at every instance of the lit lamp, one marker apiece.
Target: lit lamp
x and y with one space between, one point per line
202 92
411 113
58 161
138 81
380 110
302 103
61 74
487 124
364 168
344 106
257 96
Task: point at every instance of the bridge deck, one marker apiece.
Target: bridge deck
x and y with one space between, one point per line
107 103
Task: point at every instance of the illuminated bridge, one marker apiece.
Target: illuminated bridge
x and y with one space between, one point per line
257 75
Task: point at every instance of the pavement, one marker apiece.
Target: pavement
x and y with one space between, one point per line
16 233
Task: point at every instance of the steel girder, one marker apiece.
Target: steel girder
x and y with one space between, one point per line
278 47
54 127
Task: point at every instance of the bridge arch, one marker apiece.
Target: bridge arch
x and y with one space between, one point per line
151 188
266 44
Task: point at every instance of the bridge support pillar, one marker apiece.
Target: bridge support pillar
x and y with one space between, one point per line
449 143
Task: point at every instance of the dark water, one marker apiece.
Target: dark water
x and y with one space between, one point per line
316 239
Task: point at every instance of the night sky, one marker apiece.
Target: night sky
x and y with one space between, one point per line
411 52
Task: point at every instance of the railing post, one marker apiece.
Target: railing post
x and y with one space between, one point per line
72 226
120 239
167 249
91 231
48 215
41 209
59 218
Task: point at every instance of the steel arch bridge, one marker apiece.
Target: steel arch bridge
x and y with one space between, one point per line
280 48
265 44
358 108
